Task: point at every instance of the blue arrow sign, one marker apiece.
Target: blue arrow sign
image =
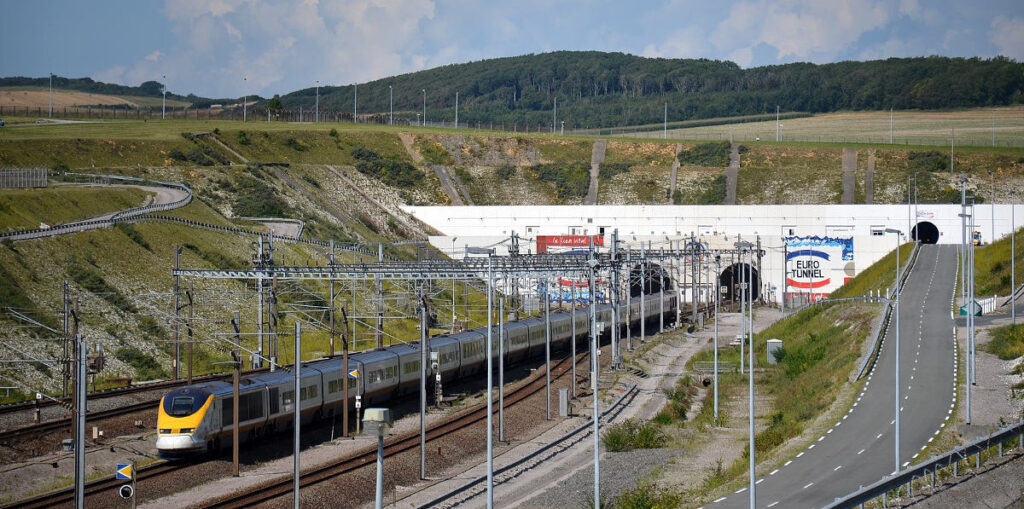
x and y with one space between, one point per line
353 373
124 471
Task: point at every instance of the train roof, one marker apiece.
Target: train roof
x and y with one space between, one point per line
376 355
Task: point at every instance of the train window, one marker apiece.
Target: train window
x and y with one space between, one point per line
288 397
275 406
333 386
391 372
376 376
182 406
411 367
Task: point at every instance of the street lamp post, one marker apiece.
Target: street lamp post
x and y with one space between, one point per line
391 107
1013 251
317 117
51 95
745 290
456 109
163 108
718 293
424 107
245 100
896 384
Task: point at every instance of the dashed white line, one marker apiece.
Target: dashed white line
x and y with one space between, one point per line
773 504
860 451
786 464
837 468
741 490
800 454
808 485
773 472
718 500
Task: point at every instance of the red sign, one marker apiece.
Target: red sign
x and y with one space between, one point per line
543 241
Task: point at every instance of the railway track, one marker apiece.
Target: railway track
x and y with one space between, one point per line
274 489
397 445
108 484
66 401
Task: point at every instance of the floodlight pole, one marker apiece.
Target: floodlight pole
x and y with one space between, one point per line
490 384
456 109
80 416
51 95
317 117
163 108
594 345
664 131
718 293
777 126
245 100
1013 251
896 384
547 349
424 107
298 413
391 106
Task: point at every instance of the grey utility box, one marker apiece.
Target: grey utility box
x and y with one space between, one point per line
563 402
774 345
377 420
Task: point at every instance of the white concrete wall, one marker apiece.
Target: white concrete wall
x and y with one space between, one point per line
717 226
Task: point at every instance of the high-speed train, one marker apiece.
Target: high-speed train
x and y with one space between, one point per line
198 418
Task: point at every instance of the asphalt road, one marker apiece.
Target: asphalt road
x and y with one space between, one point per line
860 449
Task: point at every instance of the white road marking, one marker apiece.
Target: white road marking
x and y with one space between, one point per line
718 500
800 454
837 468
821 438
741 490
759 481
786 464
808 485
773 504
773 472
861 451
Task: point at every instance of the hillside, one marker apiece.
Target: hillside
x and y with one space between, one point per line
595 89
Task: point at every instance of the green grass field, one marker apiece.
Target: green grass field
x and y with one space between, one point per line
24 209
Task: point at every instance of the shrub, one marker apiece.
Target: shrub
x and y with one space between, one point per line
506 171
243 139
146 367
390 171
434 153
134 234
93 282
714 154
177 155
333 133
256 199
571 180
217 259
216 130
631 434
715 193
1007 342
295 145
609 170
930 161
463 175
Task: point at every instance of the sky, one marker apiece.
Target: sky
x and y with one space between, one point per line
229 48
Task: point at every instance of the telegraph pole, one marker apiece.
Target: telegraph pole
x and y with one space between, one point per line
177 314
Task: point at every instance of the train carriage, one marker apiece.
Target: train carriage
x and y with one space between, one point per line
197 418
517 341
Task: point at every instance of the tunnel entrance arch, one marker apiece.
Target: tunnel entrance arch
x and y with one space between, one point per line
730 280
926 232
652 283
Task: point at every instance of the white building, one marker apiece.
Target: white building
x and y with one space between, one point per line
825 244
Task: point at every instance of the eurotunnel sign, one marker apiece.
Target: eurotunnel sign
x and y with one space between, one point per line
818 265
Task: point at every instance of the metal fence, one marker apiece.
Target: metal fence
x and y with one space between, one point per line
928 471
23 178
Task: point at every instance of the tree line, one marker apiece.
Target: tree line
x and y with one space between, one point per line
597 89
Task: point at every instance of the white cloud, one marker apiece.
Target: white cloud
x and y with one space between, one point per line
742 56
687 42
1008 36
280 44
113 75
802 29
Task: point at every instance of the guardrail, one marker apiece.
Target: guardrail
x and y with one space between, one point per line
906 477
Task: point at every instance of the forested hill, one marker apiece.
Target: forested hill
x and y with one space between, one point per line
614 89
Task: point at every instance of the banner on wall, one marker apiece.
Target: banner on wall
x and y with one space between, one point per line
815 266
570 241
